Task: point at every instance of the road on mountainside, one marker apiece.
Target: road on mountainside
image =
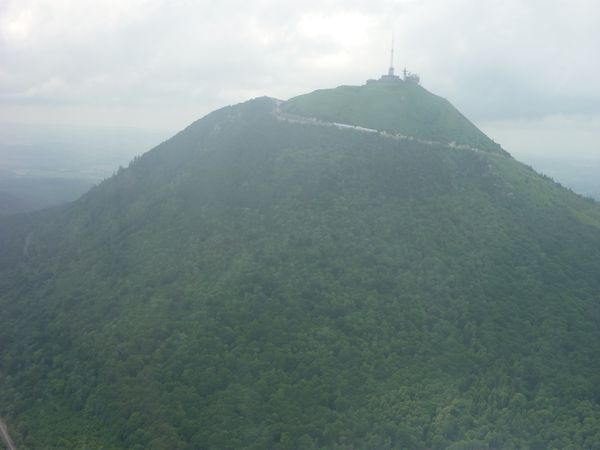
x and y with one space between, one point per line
6 437
294 118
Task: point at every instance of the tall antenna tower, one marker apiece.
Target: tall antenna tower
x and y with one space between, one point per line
391 69
390 76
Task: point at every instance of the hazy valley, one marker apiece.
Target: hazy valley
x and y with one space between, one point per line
42 166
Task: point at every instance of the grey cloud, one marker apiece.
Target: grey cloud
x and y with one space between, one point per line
495 59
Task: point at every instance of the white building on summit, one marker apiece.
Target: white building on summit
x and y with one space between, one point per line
411 77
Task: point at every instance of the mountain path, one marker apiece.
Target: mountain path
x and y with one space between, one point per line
6 437
294 118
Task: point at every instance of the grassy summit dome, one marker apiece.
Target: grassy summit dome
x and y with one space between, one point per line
395 106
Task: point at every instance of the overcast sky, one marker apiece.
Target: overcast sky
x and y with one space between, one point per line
525 71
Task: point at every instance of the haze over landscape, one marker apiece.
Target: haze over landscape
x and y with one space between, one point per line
206 244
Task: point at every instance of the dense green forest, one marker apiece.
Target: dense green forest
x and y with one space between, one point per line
254 283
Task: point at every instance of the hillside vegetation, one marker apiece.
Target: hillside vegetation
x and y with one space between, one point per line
253 283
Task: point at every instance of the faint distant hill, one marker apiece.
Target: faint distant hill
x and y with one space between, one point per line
10 204
23 193
46 165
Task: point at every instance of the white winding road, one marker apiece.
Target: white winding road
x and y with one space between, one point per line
294 118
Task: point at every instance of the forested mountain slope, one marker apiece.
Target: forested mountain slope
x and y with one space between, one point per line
258 283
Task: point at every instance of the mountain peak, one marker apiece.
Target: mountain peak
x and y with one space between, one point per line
394 105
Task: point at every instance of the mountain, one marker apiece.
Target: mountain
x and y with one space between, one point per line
393 106
308 274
